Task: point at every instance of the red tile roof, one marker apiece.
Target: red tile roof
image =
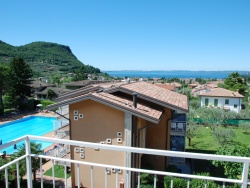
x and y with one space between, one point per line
120 103
158 95
221 92
103 93
142 109
166 86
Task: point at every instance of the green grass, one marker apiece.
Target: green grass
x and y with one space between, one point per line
59 172
204 140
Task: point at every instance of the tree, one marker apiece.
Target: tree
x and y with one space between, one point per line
19 84
3 85
212 116
235 82
223 135
80 74
232 169
35 161
11 171
245 126
192 126
51 94
191 130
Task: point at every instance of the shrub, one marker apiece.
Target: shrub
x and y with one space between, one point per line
194 183
45 103
147 179
178 182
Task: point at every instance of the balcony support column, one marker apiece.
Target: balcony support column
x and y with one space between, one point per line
28 163
128 142
245 174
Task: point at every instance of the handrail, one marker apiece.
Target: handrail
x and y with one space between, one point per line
144 151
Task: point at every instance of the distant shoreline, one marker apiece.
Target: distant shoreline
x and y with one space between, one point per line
173 74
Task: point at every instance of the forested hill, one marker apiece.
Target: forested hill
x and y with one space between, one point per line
45 58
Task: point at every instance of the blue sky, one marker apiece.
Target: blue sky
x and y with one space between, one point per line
137 34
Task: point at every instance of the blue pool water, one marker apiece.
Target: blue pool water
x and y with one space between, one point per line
33 125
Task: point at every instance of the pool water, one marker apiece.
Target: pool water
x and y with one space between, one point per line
33 125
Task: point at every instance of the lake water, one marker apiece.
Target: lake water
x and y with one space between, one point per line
173 74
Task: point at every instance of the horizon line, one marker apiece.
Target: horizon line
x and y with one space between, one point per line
178 70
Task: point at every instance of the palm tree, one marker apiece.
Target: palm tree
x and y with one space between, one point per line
36 148
11 172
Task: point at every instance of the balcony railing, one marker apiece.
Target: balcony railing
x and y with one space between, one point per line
178 127
127 171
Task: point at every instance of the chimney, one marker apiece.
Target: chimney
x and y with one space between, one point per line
134 100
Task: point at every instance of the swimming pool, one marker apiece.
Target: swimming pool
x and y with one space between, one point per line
32 125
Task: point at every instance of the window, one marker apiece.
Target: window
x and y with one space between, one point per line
215 102
206 102
235 106
227 101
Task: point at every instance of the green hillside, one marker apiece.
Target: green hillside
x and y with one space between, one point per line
45 58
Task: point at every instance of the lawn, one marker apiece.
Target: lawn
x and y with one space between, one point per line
204 139
204 142
59 172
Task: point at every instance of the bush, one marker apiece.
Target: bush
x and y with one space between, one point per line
45 103
178 182
195 104
224 135
147 179
194 183
147 186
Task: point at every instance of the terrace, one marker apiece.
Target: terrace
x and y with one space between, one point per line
126 171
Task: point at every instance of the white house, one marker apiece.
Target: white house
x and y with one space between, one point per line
222 98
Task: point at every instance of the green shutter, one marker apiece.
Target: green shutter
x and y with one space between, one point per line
206 102
215 102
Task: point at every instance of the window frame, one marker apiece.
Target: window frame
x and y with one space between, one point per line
226 101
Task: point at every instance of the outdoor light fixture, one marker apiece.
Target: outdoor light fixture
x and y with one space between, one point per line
15 146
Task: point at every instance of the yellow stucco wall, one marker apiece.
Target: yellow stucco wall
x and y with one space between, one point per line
158 137
99 122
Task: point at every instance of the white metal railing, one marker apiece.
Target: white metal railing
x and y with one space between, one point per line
57 124
178 126
243 181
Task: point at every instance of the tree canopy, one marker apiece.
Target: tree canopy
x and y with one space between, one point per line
3 84
232 169
20 75
235 82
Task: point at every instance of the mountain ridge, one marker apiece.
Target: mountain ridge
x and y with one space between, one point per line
45 58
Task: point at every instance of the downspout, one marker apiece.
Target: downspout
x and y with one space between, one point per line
167 136
139 136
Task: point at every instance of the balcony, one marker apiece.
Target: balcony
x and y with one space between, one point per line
178 128
107 169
